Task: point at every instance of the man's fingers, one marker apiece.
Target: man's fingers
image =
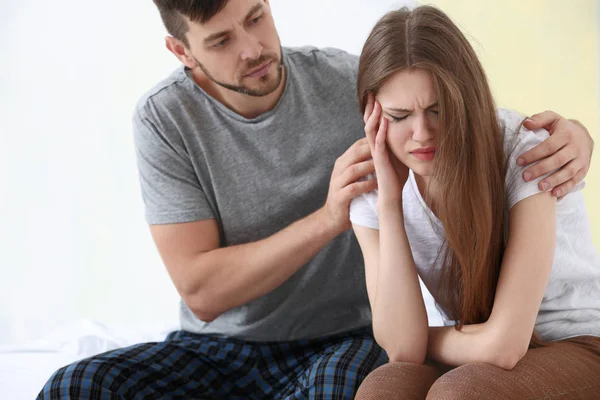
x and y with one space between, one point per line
549 164
559 177
358 188
543 150
359 151
355 172
566 187
542 120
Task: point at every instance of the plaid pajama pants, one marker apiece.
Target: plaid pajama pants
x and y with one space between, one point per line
192 366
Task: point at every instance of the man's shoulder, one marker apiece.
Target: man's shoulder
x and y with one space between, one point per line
324 53
310 56
163 93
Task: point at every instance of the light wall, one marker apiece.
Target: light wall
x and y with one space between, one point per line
541 55
74 242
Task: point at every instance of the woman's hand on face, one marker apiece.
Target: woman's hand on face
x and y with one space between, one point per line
390 172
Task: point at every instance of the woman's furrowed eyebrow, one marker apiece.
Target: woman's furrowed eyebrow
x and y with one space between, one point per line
404 110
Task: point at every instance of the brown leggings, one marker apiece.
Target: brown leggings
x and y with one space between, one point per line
568 369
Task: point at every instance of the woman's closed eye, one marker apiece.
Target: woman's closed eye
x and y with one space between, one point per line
394 118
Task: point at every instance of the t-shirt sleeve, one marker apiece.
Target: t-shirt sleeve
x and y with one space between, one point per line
343 62
519 140
170 187
363 210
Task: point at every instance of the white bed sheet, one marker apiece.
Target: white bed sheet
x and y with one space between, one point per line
25 369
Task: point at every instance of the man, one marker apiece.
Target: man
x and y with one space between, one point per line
236 152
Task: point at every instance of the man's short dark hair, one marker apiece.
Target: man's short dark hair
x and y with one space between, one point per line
173 12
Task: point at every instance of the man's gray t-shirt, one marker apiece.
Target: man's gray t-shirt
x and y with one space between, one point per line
199 160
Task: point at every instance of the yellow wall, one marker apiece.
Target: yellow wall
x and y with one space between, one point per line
541 55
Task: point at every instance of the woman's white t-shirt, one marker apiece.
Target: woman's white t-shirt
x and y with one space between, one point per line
571 303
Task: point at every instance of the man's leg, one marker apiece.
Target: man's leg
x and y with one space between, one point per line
569 369
185 366
336 367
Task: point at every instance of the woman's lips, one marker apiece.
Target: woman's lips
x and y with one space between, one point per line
424 154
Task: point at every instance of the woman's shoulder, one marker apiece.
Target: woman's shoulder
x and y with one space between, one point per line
517 138
369 198
363 208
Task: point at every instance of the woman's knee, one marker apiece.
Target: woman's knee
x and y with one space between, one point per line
398 381
470 381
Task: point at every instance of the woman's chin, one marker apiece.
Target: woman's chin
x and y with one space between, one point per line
422 170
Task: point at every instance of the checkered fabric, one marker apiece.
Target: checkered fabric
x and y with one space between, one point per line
192 366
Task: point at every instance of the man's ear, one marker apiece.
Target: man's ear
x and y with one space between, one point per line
180 51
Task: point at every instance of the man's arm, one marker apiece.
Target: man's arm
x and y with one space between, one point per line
213 280
568 151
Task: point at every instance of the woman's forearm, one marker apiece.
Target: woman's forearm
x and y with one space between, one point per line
451 347
473 343
399 315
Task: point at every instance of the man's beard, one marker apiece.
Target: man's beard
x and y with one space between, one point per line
251 65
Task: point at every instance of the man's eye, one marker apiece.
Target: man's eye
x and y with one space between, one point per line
255 20
222 43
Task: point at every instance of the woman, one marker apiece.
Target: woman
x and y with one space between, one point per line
511 267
